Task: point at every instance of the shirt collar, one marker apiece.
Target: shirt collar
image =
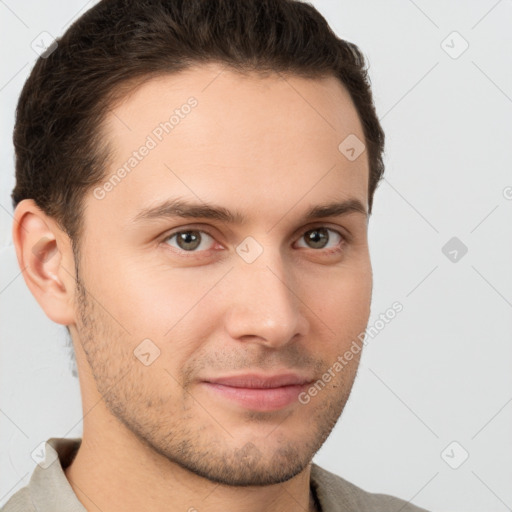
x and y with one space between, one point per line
50 490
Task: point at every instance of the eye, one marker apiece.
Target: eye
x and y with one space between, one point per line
195 240
319 238
190 240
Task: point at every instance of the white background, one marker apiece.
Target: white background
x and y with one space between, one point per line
441 370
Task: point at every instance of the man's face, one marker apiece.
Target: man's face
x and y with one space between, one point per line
173 303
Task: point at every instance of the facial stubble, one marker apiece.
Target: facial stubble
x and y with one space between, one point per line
189 433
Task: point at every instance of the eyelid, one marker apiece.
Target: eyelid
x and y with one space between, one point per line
343 232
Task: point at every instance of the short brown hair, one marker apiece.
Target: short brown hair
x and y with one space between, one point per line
119 44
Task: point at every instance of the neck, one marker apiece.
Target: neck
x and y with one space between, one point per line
113 470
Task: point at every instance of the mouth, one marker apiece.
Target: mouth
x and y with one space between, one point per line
259 392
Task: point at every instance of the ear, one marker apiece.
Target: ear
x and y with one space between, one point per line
45 257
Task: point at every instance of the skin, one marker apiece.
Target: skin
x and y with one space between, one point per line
155 438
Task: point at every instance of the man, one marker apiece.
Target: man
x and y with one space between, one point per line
194 184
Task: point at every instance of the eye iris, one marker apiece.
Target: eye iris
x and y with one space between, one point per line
317 238
188 240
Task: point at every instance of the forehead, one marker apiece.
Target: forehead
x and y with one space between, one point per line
212 133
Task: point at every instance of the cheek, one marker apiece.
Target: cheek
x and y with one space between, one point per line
340 302
138 302
171 306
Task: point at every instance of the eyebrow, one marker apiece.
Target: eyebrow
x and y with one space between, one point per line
186 209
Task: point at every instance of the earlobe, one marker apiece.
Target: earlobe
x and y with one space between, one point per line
43 256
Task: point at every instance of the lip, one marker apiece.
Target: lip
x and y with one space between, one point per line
258 391
258 380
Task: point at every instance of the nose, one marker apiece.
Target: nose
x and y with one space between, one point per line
264 307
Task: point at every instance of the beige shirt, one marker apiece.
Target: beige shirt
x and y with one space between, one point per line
49 490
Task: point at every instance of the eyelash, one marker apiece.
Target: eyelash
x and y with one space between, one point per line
343 239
